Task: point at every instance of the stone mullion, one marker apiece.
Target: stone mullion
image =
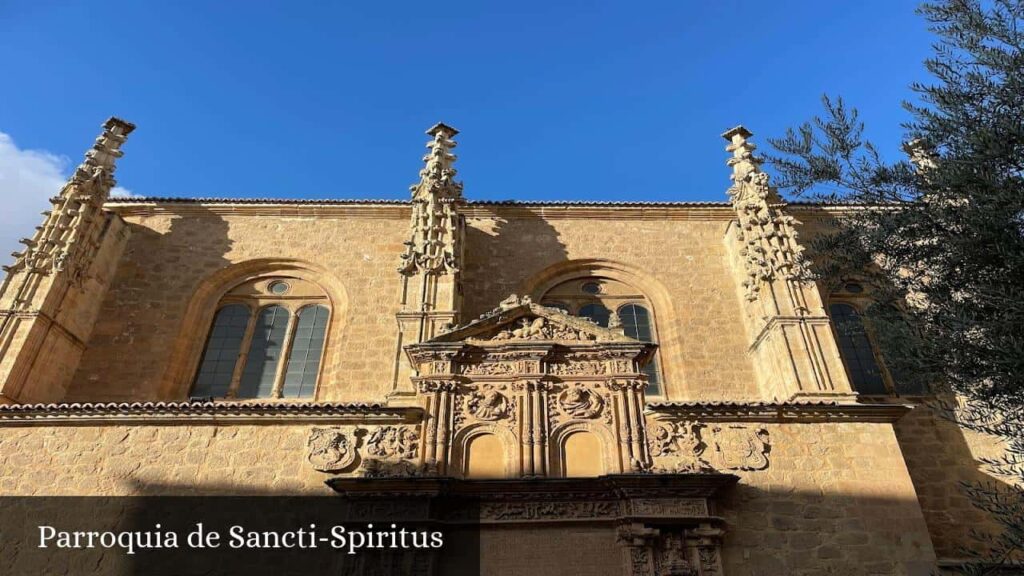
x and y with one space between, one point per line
286 353
243 354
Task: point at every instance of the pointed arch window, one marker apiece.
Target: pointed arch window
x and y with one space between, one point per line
856 351
267 341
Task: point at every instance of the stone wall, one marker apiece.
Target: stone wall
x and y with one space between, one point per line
675 256
833 497
836 499
941 457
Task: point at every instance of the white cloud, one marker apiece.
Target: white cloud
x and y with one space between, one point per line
28 179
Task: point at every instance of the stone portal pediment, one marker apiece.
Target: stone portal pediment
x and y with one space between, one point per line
520 320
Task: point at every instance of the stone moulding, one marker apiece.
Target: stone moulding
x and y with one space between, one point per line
810 411
205 412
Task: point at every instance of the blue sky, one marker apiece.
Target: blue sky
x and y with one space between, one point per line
555 100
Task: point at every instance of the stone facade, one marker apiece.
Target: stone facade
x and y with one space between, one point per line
442 354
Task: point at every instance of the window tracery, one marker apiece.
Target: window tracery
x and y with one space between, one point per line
266 341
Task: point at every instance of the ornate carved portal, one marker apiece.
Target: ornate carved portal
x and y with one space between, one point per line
533 377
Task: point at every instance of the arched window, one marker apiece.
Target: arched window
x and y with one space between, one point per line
856 351
595 298
260 347
636 323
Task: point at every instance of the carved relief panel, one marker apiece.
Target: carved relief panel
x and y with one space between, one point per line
689 446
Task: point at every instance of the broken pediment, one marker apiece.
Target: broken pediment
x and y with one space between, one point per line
520 320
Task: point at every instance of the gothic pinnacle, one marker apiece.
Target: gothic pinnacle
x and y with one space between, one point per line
743 161
437 178
435 243
99 164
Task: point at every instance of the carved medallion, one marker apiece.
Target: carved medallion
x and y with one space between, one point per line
739 448
488 404
580 403
330 449
393 442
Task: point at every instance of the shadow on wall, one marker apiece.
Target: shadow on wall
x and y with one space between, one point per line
768 532
941 458
502 250
140 319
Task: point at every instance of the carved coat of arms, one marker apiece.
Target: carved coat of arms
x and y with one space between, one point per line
330 449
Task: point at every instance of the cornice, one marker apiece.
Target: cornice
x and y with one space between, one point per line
217 412
397 209
781 412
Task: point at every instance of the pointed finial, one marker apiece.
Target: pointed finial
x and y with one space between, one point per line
99 164
737 135
438 176
443 129
743 161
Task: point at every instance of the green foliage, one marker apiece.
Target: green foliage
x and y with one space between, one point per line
940 239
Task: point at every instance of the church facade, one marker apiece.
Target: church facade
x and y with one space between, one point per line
632 388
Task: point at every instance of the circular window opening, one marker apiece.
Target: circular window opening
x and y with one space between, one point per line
591 288
853 288
278 288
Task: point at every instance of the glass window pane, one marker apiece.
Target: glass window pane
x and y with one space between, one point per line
597 313
307 349
636 323
855 349
264 353
221 353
